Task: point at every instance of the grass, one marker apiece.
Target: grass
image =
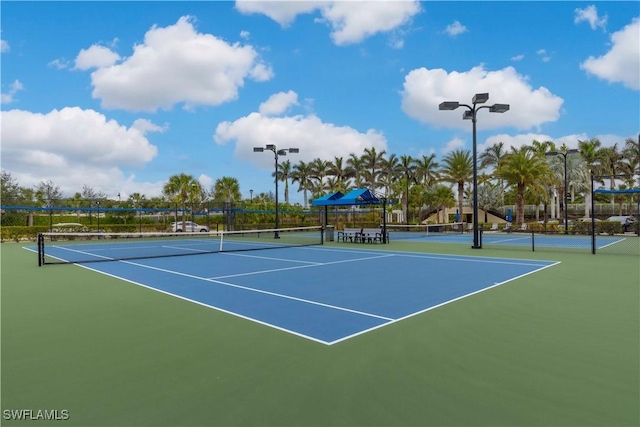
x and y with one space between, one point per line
557 348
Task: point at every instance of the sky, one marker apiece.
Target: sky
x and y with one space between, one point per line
119 96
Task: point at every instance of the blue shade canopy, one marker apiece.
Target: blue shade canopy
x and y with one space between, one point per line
361 196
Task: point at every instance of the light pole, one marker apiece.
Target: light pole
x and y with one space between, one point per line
251 196
470 114
566 184
276 152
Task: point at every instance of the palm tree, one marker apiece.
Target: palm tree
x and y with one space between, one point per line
631 153
302 175
178 189
373 162
319 170
284 173
526 171
441 197
390 172
590 153
341 172
356 164
426 170
458 168
612 164
227 189
407 169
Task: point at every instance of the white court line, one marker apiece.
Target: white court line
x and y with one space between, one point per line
269 258
439 305
207 305
362 313
490 242
612 243
297 266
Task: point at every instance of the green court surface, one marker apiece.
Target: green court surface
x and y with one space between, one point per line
560 347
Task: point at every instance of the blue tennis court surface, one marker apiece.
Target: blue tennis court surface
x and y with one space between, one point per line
320 293
510 239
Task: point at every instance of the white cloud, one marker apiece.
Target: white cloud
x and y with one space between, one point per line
59 63
144 126
622 63
310 134
455 29
542 53
590 14
95 57
176 64
283 12
206 181
4 46
278 103
425 89
245 34
452 145
517 57
350 21
71 147
7 98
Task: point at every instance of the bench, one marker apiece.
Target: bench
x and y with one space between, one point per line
361 235
349 233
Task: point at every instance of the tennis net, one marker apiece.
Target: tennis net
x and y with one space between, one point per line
420 231
60 248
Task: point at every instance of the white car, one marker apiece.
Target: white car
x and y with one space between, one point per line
189 227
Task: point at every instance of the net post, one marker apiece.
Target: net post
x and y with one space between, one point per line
221 240
533 241
322 231
40 249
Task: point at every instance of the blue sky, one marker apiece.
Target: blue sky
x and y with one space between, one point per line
121 95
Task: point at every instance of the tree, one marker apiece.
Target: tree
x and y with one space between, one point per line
458 168
9 188
612 164
441 197
524 170
407 168
589 151
356 164
302 175
319 170
341 172
373 162
48 193
426 170
178 189
227 189
284 173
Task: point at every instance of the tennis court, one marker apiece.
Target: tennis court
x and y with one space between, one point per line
452 233
410 333
323 294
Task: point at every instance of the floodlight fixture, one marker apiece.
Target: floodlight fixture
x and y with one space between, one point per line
551 153
470 114
480 98
499 108
277 153
449 105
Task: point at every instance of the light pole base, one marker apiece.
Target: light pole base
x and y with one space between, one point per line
476 247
